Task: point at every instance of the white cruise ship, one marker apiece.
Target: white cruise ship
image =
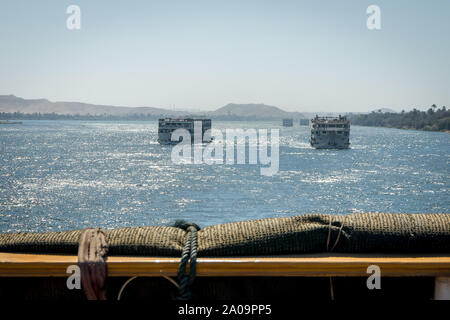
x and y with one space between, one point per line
330 132
168 125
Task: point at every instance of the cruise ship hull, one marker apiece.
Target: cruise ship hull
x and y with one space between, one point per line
330 141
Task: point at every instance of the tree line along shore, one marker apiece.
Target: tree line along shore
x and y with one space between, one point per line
434 119
127 117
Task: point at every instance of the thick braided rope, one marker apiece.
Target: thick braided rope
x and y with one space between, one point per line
189 255
361 233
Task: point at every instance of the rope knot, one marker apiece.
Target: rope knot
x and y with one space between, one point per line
185 225
189 255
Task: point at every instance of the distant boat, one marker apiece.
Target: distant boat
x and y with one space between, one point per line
10 122
304 122
168 125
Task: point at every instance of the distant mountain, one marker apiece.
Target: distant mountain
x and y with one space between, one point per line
11 103
255 111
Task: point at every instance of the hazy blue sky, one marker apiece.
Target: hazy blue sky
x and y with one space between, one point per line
298 55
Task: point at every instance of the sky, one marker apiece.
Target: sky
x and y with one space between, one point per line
310 56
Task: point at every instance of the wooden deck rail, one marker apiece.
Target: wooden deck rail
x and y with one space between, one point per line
317 265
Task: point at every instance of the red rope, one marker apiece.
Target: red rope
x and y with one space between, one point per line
92 252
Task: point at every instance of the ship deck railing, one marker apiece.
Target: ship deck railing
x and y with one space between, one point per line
311 265
307 265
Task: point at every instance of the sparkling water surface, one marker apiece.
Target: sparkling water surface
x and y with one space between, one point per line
60 175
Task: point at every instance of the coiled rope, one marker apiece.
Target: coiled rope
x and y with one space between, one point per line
189 255
92 251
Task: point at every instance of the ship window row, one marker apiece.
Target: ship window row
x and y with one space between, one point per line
174 124
166 130
331 126
191 131
338 132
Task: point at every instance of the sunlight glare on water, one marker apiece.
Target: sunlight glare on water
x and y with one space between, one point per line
60 175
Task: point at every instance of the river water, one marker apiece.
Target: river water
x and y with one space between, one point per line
60 175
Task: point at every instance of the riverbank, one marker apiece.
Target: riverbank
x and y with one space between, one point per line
433 119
